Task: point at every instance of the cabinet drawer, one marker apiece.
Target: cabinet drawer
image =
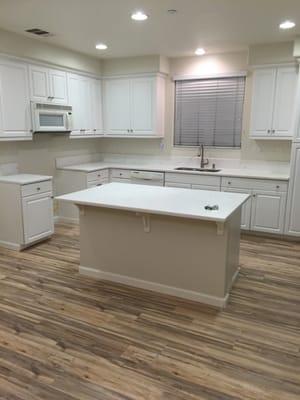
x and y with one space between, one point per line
34 188
206 187
100 182
178 185
255 184
121 173
193 179
97 175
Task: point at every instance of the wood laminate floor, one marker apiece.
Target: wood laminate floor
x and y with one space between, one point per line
66 337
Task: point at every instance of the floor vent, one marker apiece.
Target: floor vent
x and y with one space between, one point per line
39 32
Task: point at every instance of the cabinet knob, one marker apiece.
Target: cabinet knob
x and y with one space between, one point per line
229 183
269 130
273 131
38 188
254 195
277 187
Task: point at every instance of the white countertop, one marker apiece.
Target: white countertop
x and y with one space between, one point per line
159 200
251 172
24 179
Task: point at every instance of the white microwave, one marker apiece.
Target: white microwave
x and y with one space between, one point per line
51 117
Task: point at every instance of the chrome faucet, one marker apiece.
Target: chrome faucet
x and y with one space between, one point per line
203 161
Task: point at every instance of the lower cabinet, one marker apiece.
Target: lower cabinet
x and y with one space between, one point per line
268 212
37 217
265 209
26 211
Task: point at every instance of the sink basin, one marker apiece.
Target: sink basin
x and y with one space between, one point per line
197 169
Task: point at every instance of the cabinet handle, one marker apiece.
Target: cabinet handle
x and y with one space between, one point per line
277 187
38 188
273 131
269 130
254 195
229 183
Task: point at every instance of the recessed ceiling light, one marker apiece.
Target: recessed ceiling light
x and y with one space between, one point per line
287 25
101 46
139 16
200 51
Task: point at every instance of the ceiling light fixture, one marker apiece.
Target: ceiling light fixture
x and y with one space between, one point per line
101 46
287 25
139 16
200 51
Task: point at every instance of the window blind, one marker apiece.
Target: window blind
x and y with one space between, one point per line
209 111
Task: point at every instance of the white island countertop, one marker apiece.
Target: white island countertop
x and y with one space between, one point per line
175 202
24 179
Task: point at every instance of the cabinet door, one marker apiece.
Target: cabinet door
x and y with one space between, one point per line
58 86
96 101
15 103
262 102
293 205
80 100
142 106
117 106
268 212
246 208
37 217
39 85
284 105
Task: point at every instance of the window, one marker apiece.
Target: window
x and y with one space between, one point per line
209 111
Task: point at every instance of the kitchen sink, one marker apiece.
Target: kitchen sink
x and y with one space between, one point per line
197 169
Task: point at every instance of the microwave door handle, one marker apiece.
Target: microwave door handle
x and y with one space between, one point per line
68 124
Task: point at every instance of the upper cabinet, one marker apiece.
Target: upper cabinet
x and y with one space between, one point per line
85 98
48 85
15 122
134 106
273 102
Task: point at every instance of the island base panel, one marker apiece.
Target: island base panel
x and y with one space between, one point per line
178 256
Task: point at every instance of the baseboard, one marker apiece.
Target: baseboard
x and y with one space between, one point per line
218 302
11 246
66 220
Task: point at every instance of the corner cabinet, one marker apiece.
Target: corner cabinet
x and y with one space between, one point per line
134 106
273 103
15 122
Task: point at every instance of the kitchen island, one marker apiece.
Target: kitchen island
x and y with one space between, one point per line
175 241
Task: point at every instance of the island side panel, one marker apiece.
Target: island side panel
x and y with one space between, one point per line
178 253
233 248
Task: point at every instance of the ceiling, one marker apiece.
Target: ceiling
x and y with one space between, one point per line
216 25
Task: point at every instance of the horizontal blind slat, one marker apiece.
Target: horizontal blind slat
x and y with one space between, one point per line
209 112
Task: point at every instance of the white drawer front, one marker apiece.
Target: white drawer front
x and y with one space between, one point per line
178 185
254 184
194 179
121 173
35 188
100 182
206 187
97 175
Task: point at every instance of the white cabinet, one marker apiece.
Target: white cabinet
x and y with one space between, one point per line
293 205
48 85
134 106
264 211
15 123
273 103
96 100
193 181
117 106
37 217
268 212
26 211
85 99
